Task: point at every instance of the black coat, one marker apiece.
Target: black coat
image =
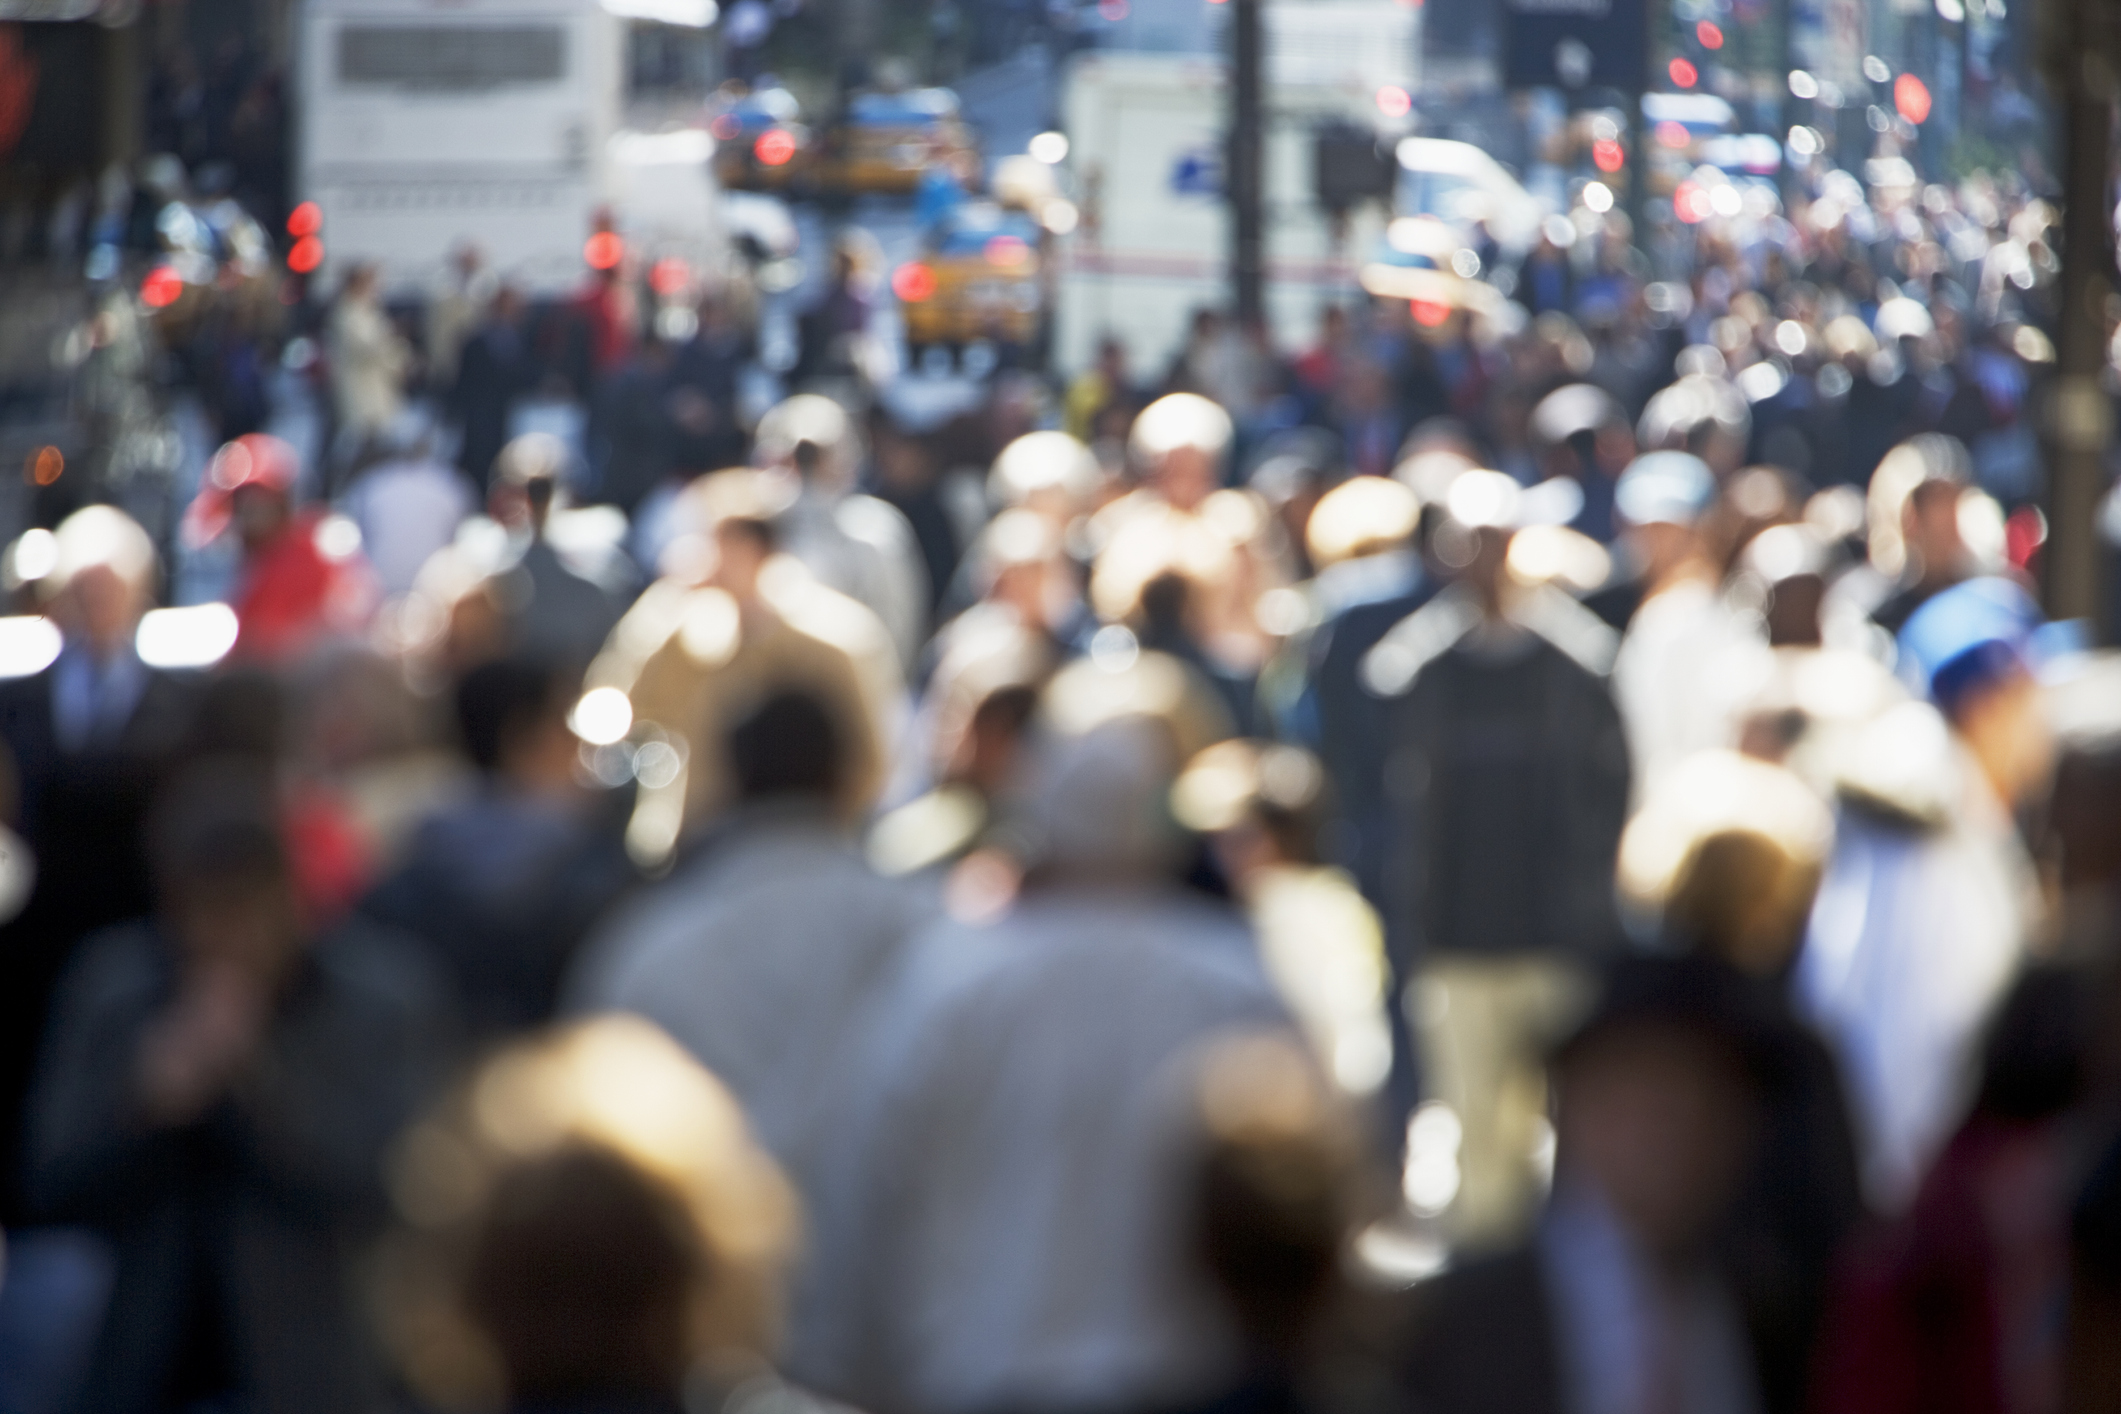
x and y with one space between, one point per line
236 1236
1481 1340
1506 782
82 814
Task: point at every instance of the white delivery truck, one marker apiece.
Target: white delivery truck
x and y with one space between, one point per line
1146 134
423 124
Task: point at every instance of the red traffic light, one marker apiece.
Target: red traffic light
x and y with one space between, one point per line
1912 97
305 220
913 283
161 287
306 256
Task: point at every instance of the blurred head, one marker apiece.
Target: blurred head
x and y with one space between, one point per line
586 1220
227 886
103 579
1049 473
788 748
1929 527
1656 1097
1364 516
742 546
1743 898
834 452
512 718
527 478
1091 801
1279 1188
1661 498
1261 805
1178 443
1967 645
1933 469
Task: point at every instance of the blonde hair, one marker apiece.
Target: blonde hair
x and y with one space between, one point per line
620 1092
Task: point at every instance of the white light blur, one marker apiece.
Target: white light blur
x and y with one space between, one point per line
36 555
687 14
28 644
1432 1175
1050 148
1803 85
1598 197
197 636
602 717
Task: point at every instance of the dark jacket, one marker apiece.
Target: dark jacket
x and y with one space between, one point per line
501 890
81 813
1506 783
235 1236
1481 1340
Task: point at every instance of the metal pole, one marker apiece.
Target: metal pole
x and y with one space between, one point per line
1245 164
2081 421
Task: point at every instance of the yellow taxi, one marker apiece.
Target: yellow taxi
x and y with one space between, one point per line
980 278
888 139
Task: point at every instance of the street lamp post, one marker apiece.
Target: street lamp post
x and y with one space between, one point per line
1244 165
2080 49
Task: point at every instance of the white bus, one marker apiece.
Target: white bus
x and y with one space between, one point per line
424 124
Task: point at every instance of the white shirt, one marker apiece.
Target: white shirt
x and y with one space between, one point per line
93 699
1915 938
1025 1177
1685 670
759 959
1627 1340
407 510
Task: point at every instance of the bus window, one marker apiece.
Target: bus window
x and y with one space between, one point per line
451 58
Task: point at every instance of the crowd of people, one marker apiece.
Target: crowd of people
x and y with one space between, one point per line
1537 854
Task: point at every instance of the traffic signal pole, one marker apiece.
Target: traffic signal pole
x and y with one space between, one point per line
1244 167
2080 52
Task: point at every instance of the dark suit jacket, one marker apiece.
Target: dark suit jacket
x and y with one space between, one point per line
249 1221
81 814
1481 1340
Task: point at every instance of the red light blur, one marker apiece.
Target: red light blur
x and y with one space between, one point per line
1394 101
1673 135
2023 535
1006 251
307 255
305 220
1691 204
775 147
1112 11
669 275
913 283
1429 313
1607 155
1684 74
1710 34
161 287
1912 97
